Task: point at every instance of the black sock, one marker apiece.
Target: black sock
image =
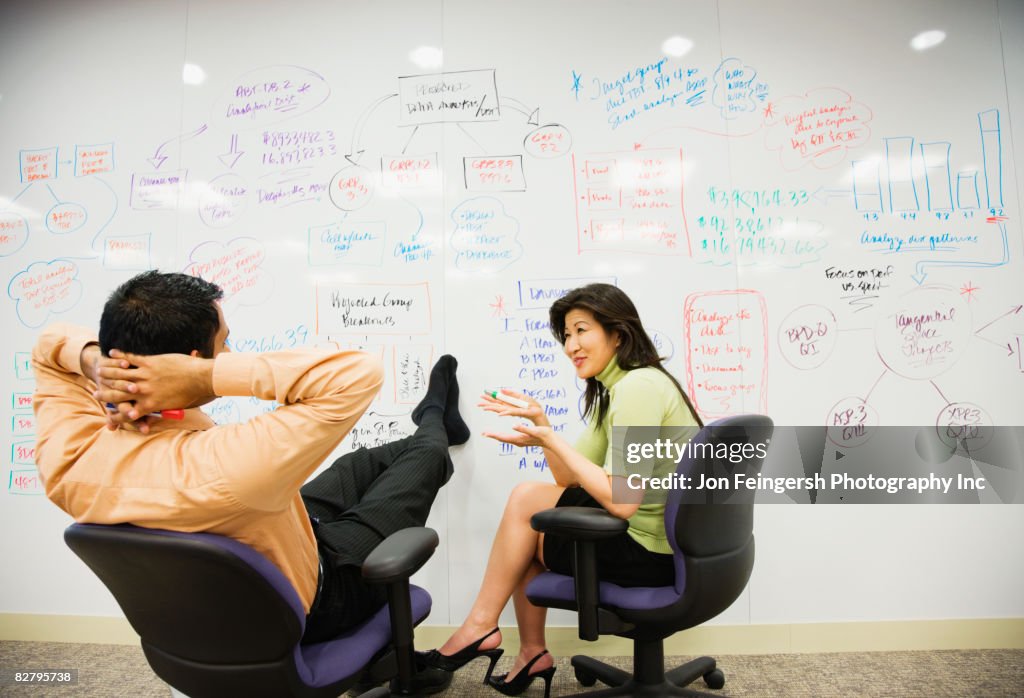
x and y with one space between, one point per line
443 393
437 388
458 432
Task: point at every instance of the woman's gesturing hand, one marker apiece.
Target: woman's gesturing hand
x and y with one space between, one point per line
533 411
527 435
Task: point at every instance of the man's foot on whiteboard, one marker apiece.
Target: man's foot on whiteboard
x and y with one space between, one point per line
437 388
458 432
443 394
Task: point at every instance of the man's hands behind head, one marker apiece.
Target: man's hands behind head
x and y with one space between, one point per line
139 385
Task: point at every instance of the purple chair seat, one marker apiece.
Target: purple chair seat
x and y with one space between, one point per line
711 536
327 662
554 587
217 618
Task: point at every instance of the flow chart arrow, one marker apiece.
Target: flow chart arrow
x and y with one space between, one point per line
158 157
231 157
354 151
409 139
532 117
920 275
822 195
1009 345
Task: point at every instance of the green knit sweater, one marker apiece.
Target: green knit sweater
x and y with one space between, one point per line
641 397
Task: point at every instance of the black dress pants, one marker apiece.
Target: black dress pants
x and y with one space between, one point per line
357 502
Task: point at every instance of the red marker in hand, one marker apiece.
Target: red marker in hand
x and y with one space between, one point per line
166 414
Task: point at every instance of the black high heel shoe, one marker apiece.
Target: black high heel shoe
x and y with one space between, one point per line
523 679
454 662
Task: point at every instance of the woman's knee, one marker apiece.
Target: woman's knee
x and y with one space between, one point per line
527 498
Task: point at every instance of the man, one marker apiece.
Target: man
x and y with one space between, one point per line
165 336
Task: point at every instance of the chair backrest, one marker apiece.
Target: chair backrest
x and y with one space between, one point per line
195 596
711 529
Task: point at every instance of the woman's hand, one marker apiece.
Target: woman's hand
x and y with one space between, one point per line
533 411
528 435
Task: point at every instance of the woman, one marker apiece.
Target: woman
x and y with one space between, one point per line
601 333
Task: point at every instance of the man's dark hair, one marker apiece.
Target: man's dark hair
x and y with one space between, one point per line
161 313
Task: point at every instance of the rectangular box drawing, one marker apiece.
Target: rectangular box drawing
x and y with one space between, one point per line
23 365
967 196
936 176
604 199
23 425
992 153
536 294
23 453
130 253
469 95
726 344
899 158
157 191
373 309
24 482
347 242
867 186
410 171
610 230
94 159
631 202
494 173
37 165
411 364
599 171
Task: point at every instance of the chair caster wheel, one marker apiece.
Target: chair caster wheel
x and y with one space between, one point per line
714 678
585 678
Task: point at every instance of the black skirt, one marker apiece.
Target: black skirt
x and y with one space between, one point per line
620 559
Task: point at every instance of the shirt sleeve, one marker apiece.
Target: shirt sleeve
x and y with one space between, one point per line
67 414
266 459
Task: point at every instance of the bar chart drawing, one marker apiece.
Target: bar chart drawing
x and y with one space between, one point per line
912 166
992 155
936 176
967 197
867 186
899 161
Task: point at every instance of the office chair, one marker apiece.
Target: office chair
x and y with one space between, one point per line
216 618
711 534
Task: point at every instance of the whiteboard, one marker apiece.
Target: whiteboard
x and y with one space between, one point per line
781 188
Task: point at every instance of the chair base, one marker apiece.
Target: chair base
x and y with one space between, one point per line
425 682
622 683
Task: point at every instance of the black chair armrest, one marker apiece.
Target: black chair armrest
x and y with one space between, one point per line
400 556
584 525
578 523
391 563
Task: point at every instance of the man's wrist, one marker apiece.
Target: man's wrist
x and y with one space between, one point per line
202 379
87 359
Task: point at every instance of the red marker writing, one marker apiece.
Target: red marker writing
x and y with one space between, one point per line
165 414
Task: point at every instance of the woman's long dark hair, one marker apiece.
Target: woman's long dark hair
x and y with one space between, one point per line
616 313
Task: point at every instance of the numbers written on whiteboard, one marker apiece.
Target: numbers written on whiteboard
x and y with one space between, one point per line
289 338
